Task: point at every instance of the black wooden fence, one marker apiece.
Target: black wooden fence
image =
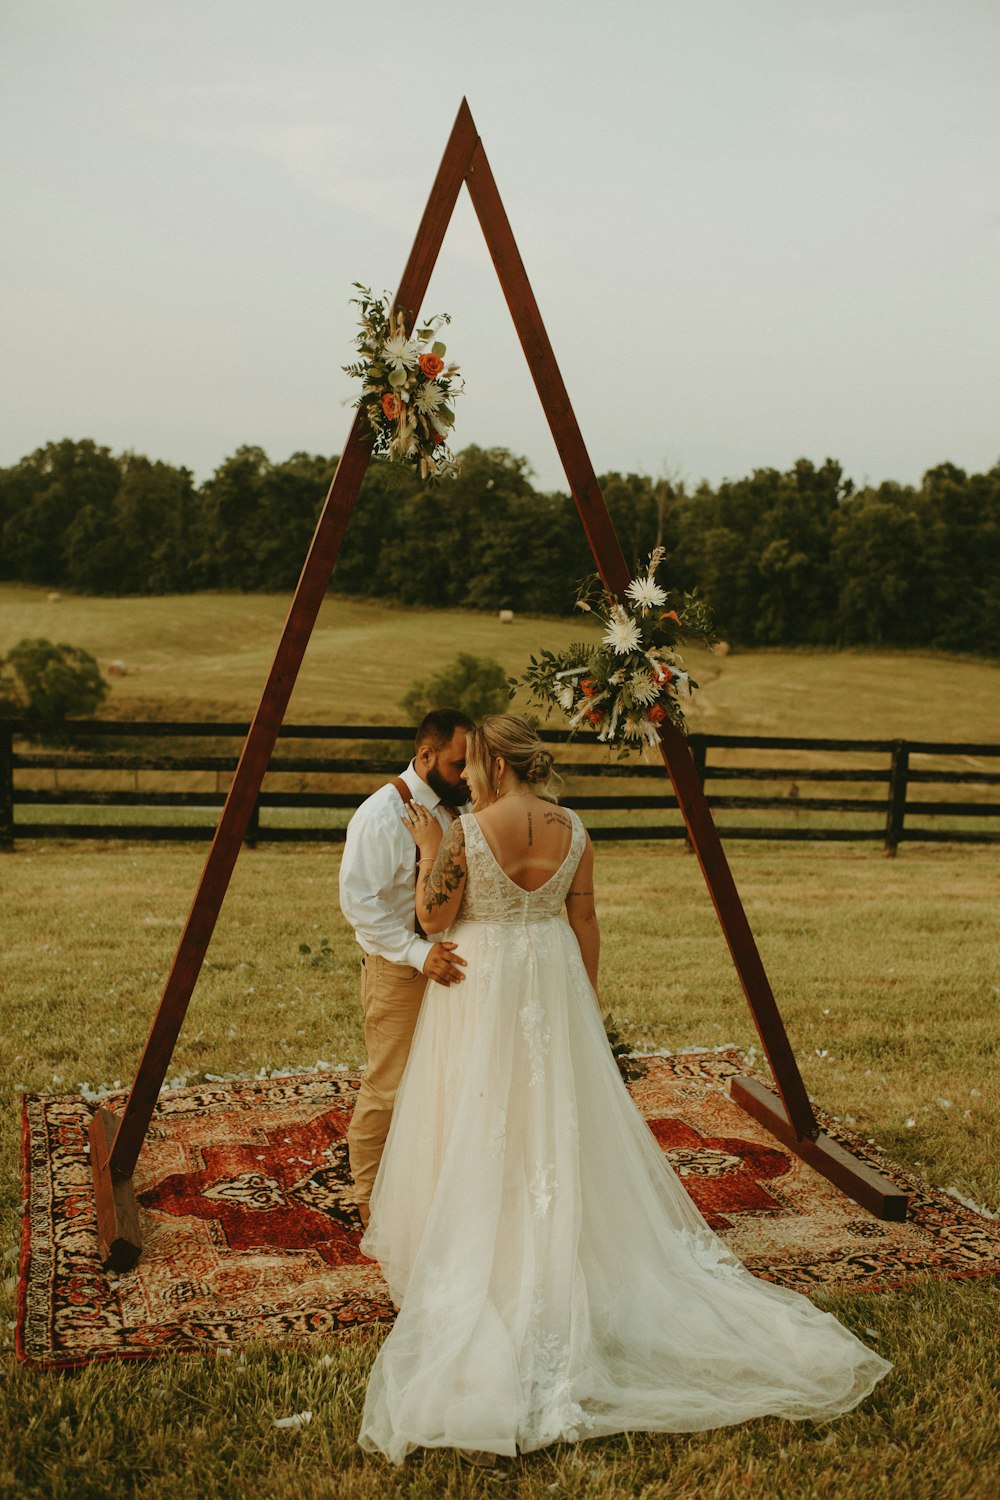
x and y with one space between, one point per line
894 808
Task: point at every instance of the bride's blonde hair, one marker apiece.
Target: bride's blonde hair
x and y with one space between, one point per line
512 737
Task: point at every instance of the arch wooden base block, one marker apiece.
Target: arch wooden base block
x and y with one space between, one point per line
119 1241
867 1187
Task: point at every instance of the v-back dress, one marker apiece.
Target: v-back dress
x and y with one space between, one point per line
553 1278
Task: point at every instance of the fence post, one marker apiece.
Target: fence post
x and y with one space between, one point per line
6 788
698 746
897 797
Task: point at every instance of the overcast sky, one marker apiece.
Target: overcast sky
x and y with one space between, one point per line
757 229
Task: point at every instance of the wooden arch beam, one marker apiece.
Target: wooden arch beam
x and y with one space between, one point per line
115 1141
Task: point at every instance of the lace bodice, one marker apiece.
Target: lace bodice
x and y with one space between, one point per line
491 895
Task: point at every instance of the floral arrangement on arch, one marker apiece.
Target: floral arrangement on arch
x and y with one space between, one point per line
626 684
408 390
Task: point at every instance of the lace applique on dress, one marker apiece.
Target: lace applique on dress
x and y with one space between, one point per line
491 895
552 1414
710 1253
543 1188
537 1037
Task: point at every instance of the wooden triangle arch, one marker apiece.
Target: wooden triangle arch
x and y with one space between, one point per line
117 1140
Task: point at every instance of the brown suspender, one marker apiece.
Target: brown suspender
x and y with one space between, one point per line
406 797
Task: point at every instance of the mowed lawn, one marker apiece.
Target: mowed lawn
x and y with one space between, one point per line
886 972
887 976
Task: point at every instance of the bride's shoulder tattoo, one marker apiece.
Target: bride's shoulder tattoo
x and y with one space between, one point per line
558 817
447 873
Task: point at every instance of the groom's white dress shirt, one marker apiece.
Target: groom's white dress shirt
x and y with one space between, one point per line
378 872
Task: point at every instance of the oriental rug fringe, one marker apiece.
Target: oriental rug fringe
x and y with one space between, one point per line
250 1232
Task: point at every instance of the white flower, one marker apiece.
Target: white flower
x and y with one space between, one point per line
299 1419
643 689
622 633
428 398
565 696
645 593
400 353
639 728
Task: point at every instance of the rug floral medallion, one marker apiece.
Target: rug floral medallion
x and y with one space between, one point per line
250 1231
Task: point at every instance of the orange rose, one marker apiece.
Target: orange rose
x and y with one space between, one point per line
671 614
656 714
662 674
595 717
431 364
438 438
391 405
587 687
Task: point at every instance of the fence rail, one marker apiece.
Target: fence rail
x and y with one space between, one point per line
889 809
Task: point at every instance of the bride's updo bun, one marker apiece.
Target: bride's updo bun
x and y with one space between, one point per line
538 771
513 739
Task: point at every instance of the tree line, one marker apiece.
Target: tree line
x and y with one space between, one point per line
784 558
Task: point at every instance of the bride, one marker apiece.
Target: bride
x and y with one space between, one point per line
554 1280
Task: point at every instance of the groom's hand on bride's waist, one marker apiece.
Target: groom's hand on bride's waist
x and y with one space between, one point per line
444 965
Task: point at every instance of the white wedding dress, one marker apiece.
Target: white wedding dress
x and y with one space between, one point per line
554 1279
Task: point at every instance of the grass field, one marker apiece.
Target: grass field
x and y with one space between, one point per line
887 975
207 655
888 980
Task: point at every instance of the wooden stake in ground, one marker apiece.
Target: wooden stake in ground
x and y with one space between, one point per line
113 1157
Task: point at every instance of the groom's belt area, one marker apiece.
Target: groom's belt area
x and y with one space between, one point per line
375 960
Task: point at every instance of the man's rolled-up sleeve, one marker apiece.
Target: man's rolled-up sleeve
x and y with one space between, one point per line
374 857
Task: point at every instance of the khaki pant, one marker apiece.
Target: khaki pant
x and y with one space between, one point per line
390 1001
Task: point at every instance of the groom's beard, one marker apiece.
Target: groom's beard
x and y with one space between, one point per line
451 796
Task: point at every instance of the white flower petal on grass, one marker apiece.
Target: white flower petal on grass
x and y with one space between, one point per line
645 593
622 633
293 1423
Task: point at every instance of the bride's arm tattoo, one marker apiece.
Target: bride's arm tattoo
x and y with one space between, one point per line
442 880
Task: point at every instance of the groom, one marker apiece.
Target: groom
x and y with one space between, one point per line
377 882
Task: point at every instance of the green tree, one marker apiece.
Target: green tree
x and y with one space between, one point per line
47 683
878 557
43 496
475 684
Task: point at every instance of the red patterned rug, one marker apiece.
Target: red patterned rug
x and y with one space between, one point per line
249 1233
